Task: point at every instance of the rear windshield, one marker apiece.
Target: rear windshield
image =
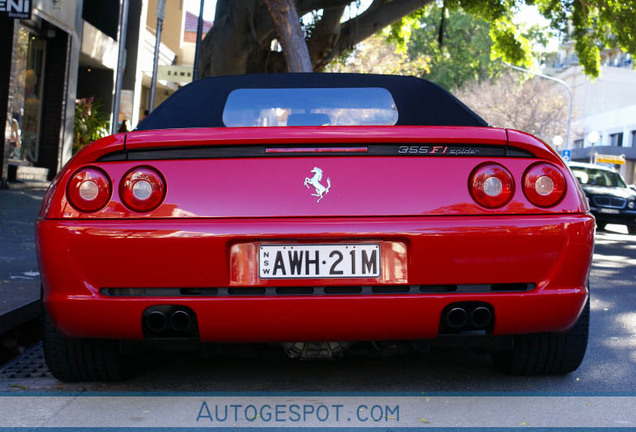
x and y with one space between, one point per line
597 177
310 107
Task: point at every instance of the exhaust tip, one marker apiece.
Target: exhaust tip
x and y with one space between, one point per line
157 321
169 321
180 320
480 317
456 318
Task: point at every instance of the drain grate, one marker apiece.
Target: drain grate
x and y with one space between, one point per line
30 364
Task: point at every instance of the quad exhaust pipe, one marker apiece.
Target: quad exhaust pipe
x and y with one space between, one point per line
180 320
467 316
480 317
456 318
169 321
157 321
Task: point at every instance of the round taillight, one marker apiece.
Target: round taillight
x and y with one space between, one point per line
142 189
491 185
544 185
89 189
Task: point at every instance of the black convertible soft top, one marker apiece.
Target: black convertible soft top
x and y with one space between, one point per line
418 102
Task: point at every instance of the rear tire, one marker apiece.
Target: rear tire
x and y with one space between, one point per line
547 354
73 360
631 229
600 226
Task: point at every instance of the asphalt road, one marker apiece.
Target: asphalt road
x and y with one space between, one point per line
609 366
19 277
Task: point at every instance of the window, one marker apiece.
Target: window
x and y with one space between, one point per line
579 143
27 89
310 107
597 177
616 139
634 138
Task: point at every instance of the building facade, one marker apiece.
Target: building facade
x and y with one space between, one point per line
39 59
65 51
604 108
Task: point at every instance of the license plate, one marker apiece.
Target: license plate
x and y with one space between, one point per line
609 211
300 261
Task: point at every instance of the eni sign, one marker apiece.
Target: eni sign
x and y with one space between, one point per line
17 9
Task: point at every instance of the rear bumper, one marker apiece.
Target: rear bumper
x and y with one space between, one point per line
78 259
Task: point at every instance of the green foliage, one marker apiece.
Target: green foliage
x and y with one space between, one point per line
400 32
464 55
92 122
509 45
470 46
593 25
489 10
585 40
379 56
537 34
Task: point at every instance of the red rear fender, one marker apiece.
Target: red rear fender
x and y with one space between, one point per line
420 173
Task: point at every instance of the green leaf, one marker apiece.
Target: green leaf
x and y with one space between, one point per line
509 45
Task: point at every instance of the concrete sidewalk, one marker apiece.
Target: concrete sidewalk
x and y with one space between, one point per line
19 276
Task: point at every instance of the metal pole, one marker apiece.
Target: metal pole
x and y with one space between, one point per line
161 13
567 134
123 25
197 50
593 137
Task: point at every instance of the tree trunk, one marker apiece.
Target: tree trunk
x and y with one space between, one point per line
291 37
226 47
241 39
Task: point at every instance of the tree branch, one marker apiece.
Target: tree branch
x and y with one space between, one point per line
305 6
290 35
263 24
230 21
380 14
325 37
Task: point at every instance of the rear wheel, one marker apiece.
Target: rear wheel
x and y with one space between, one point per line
545 354
631 229
600 226
71 359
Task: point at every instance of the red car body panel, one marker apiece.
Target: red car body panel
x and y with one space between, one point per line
188 242
458 250
419 208
409 186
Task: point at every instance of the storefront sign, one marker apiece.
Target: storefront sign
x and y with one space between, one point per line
611 159
180 74
126 105
17 9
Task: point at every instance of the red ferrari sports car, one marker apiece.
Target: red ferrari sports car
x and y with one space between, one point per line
315 211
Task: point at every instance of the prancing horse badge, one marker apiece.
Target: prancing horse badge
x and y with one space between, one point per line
315 182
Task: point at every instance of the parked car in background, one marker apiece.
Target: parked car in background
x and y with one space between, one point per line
611 200
315 211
